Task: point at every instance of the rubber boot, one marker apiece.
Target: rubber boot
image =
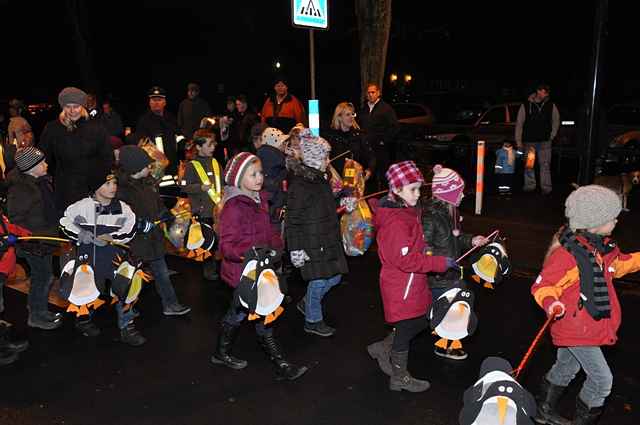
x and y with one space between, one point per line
586 416
548 399
400 377
381 351
223 355
284 369
131 336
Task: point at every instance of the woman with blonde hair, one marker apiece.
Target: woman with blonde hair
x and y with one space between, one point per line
347 141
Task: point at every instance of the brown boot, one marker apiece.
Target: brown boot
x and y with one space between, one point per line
381 351
400 377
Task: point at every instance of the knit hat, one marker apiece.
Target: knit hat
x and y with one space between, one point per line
27 158
280 78
591 206
132 159
315 150
72 95
99 178
235 169
447 185
273 137
403 173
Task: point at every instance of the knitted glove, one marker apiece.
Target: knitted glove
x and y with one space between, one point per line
100 242
451 263
11 239
144 226
349 203
298 258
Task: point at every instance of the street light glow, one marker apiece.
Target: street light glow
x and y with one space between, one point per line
393 78
407 78
278 64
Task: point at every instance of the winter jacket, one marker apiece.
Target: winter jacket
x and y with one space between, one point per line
380 125
311 223
502 161
190 113
112 122
401 248
201 203
560 280
76 156
145 202
244 223
283 115
115 221
537 122
275 172
240 131
30 204
438 235
8 258
352 141
152 125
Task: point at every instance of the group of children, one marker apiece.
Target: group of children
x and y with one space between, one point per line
418 243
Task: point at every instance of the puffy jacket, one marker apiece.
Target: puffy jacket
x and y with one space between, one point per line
244 223
8 258
283 115
438 234
401 248
275 172
559 280
311 223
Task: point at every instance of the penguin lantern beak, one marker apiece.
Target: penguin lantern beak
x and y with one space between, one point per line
84 268
502 409
270 277
461 308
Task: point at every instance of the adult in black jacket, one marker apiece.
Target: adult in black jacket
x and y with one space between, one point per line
192 110
158 122
313 232
348 141
380 123
74 147
240 132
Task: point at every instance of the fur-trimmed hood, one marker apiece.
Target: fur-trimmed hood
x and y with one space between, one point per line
298 169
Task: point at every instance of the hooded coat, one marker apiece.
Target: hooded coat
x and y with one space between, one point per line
244 223
401 248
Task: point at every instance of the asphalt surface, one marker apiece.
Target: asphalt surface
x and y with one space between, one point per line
67 379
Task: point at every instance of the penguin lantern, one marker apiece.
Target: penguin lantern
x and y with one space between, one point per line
490 264
78 286
496 398
199 240
260 290
452 316
127 282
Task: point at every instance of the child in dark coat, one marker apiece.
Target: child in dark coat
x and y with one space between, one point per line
406 297
313 232
141 194
245 223
203 184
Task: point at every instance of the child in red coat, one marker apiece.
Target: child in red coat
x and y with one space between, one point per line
245 223
406 297
576 286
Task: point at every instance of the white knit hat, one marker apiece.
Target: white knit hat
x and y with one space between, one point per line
591 206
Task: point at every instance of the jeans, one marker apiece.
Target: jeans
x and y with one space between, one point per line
599 380
124 317
316 290
163 284
235 316
543 157
41 280
406 330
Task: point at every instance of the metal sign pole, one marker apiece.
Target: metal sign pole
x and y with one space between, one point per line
313 64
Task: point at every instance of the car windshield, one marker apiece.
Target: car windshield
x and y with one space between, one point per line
408 110
624 115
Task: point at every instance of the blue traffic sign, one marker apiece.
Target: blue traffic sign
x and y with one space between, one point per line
310 13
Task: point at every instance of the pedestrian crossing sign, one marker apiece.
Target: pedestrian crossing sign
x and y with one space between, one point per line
313 14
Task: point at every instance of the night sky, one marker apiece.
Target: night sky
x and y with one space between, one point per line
230 48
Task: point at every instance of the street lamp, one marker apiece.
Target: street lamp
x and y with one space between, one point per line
407 78
277 64
393 78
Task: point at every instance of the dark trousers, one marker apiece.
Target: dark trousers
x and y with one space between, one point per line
41 279
406 330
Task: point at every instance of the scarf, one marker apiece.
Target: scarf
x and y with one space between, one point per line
594 294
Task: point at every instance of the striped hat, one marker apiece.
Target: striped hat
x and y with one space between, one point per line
27 158
403 173
235 169
447 185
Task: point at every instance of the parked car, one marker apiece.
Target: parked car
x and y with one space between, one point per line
413 120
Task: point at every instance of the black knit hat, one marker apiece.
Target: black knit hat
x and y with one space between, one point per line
27 158
133 159
99 178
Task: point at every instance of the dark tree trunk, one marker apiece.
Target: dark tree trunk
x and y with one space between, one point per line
374 24
80 22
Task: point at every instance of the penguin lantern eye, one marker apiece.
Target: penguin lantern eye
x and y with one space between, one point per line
501 388
509 390
266 261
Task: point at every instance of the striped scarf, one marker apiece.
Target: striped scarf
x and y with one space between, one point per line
594 294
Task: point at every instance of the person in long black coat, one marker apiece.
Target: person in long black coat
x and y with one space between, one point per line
75 147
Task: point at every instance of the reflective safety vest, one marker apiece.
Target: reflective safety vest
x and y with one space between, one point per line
215 192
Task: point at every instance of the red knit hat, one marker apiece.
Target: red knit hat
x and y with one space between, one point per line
403 173
235 169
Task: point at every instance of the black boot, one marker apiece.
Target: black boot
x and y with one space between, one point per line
284 369
548 402
223 350
586 416
130 335
7 344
